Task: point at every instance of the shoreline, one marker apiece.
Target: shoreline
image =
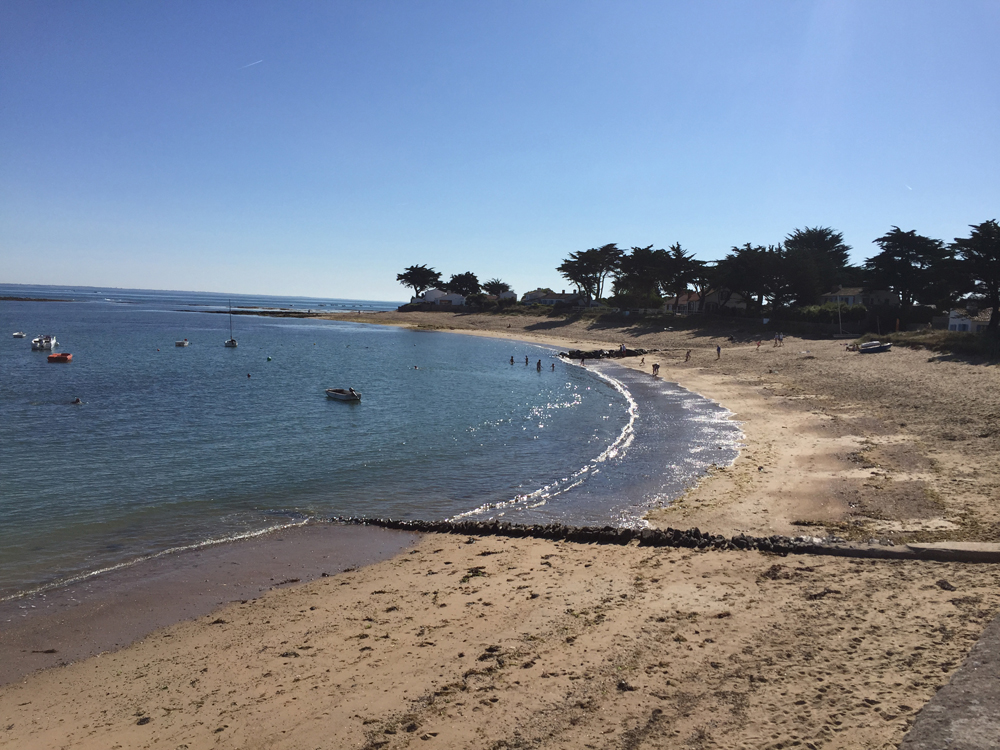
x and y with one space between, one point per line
113 611
834 445
528 642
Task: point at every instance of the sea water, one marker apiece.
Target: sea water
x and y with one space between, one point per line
175 447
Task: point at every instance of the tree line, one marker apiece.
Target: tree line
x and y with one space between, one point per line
421 278
794 273
798 271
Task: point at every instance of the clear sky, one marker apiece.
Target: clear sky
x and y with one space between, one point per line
318 148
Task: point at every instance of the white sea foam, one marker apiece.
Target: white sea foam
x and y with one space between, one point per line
541 496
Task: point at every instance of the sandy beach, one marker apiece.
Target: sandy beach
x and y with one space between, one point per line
500 643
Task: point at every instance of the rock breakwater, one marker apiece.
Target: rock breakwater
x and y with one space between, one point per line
649 537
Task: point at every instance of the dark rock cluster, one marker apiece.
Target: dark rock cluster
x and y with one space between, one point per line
605 353
691 538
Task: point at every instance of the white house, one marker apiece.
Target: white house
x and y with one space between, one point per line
437 297
856 295
969 320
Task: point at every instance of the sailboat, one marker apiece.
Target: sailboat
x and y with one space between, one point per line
231 342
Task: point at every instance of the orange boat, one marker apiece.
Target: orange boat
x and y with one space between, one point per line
60 357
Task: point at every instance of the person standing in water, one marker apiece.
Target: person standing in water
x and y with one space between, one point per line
526 360
539 366
512 359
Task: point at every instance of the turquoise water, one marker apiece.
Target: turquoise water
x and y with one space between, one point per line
175 447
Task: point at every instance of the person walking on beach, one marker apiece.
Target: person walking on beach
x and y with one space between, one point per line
776 339
687 357
759 342
718 352
656 369
781 339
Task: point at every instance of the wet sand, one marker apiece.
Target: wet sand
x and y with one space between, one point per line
112 610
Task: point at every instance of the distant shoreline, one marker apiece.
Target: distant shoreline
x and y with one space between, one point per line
34 299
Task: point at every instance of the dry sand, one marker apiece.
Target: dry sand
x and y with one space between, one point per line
499 643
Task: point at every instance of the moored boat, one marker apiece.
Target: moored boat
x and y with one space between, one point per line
45 342
185 342
232 340
60 357
342 394
20 334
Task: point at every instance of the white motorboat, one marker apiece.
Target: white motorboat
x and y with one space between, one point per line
20 335
342 394
185 342
45 342
231 342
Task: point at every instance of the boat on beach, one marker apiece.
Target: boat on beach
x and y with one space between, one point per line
60 357
20 334
44 342
342 394
874 347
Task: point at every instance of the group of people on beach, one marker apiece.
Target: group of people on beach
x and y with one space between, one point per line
538 366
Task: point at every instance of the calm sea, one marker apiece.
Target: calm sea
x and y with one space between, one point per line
175 447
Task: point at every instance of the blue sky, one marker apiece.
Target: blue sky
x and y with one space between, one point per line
318 148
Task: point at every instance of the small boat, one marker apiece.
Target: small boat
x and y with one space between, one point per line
20 335
231 342
45 342
874 347
185 342
60 357
341 394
